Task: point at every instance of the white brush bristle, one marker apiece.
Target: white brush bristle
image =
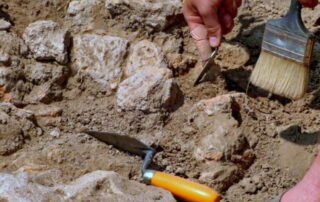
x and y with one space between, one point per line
280 76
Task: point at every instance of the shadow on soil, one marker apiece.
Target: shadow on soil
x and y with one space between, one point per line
238 79
302 138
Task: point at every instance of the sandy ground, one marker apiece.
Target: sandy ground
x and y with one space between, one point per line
279 162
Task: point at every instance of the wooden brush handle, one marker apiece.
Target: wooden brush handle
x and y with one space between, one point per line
184 189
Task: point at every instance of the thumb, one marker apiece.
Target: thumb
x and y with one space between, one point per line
211 21
200 35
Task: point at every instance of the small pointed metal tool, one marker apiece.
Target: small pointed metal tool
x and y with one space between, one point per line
207 66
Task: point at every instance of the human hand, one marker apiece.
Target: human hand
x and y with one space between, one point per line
208 20
309 3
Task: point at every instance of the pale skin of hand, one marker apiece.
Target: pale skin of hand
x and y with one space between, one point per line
307 190
209 20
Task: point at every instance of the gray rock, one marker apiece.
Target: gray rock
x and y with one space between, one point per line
15 125
171 94
94 186
100 57
47 41
78 6
149 90
145 54
44 93
158 12
220 136
220 176
40 73
6 77
11 137
10 43
46 80
219 139
4 25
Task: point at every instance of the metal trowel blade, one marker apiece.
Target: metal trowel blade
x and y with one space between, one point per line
207 66
122 142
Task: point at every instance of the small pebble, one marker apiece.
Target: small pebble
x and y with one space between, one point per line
4 25
55 133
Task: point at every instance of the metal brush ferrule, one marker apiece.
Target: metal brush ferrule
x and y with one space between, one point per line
148 175
288 37
288 45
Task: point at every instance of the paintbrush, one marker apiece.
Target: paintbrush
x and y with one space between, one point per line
283 65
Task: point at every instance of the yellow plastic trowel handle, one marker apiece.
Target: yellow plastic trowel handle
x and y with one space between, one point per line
182 188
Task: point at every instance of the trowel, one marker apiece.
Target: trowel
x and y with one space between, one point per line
181 188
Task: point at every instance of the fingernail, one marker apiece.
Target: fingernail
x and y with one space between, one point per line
213 41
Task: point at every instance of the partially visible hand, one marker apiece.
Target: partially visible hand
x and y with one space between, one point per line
208 20
309 3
